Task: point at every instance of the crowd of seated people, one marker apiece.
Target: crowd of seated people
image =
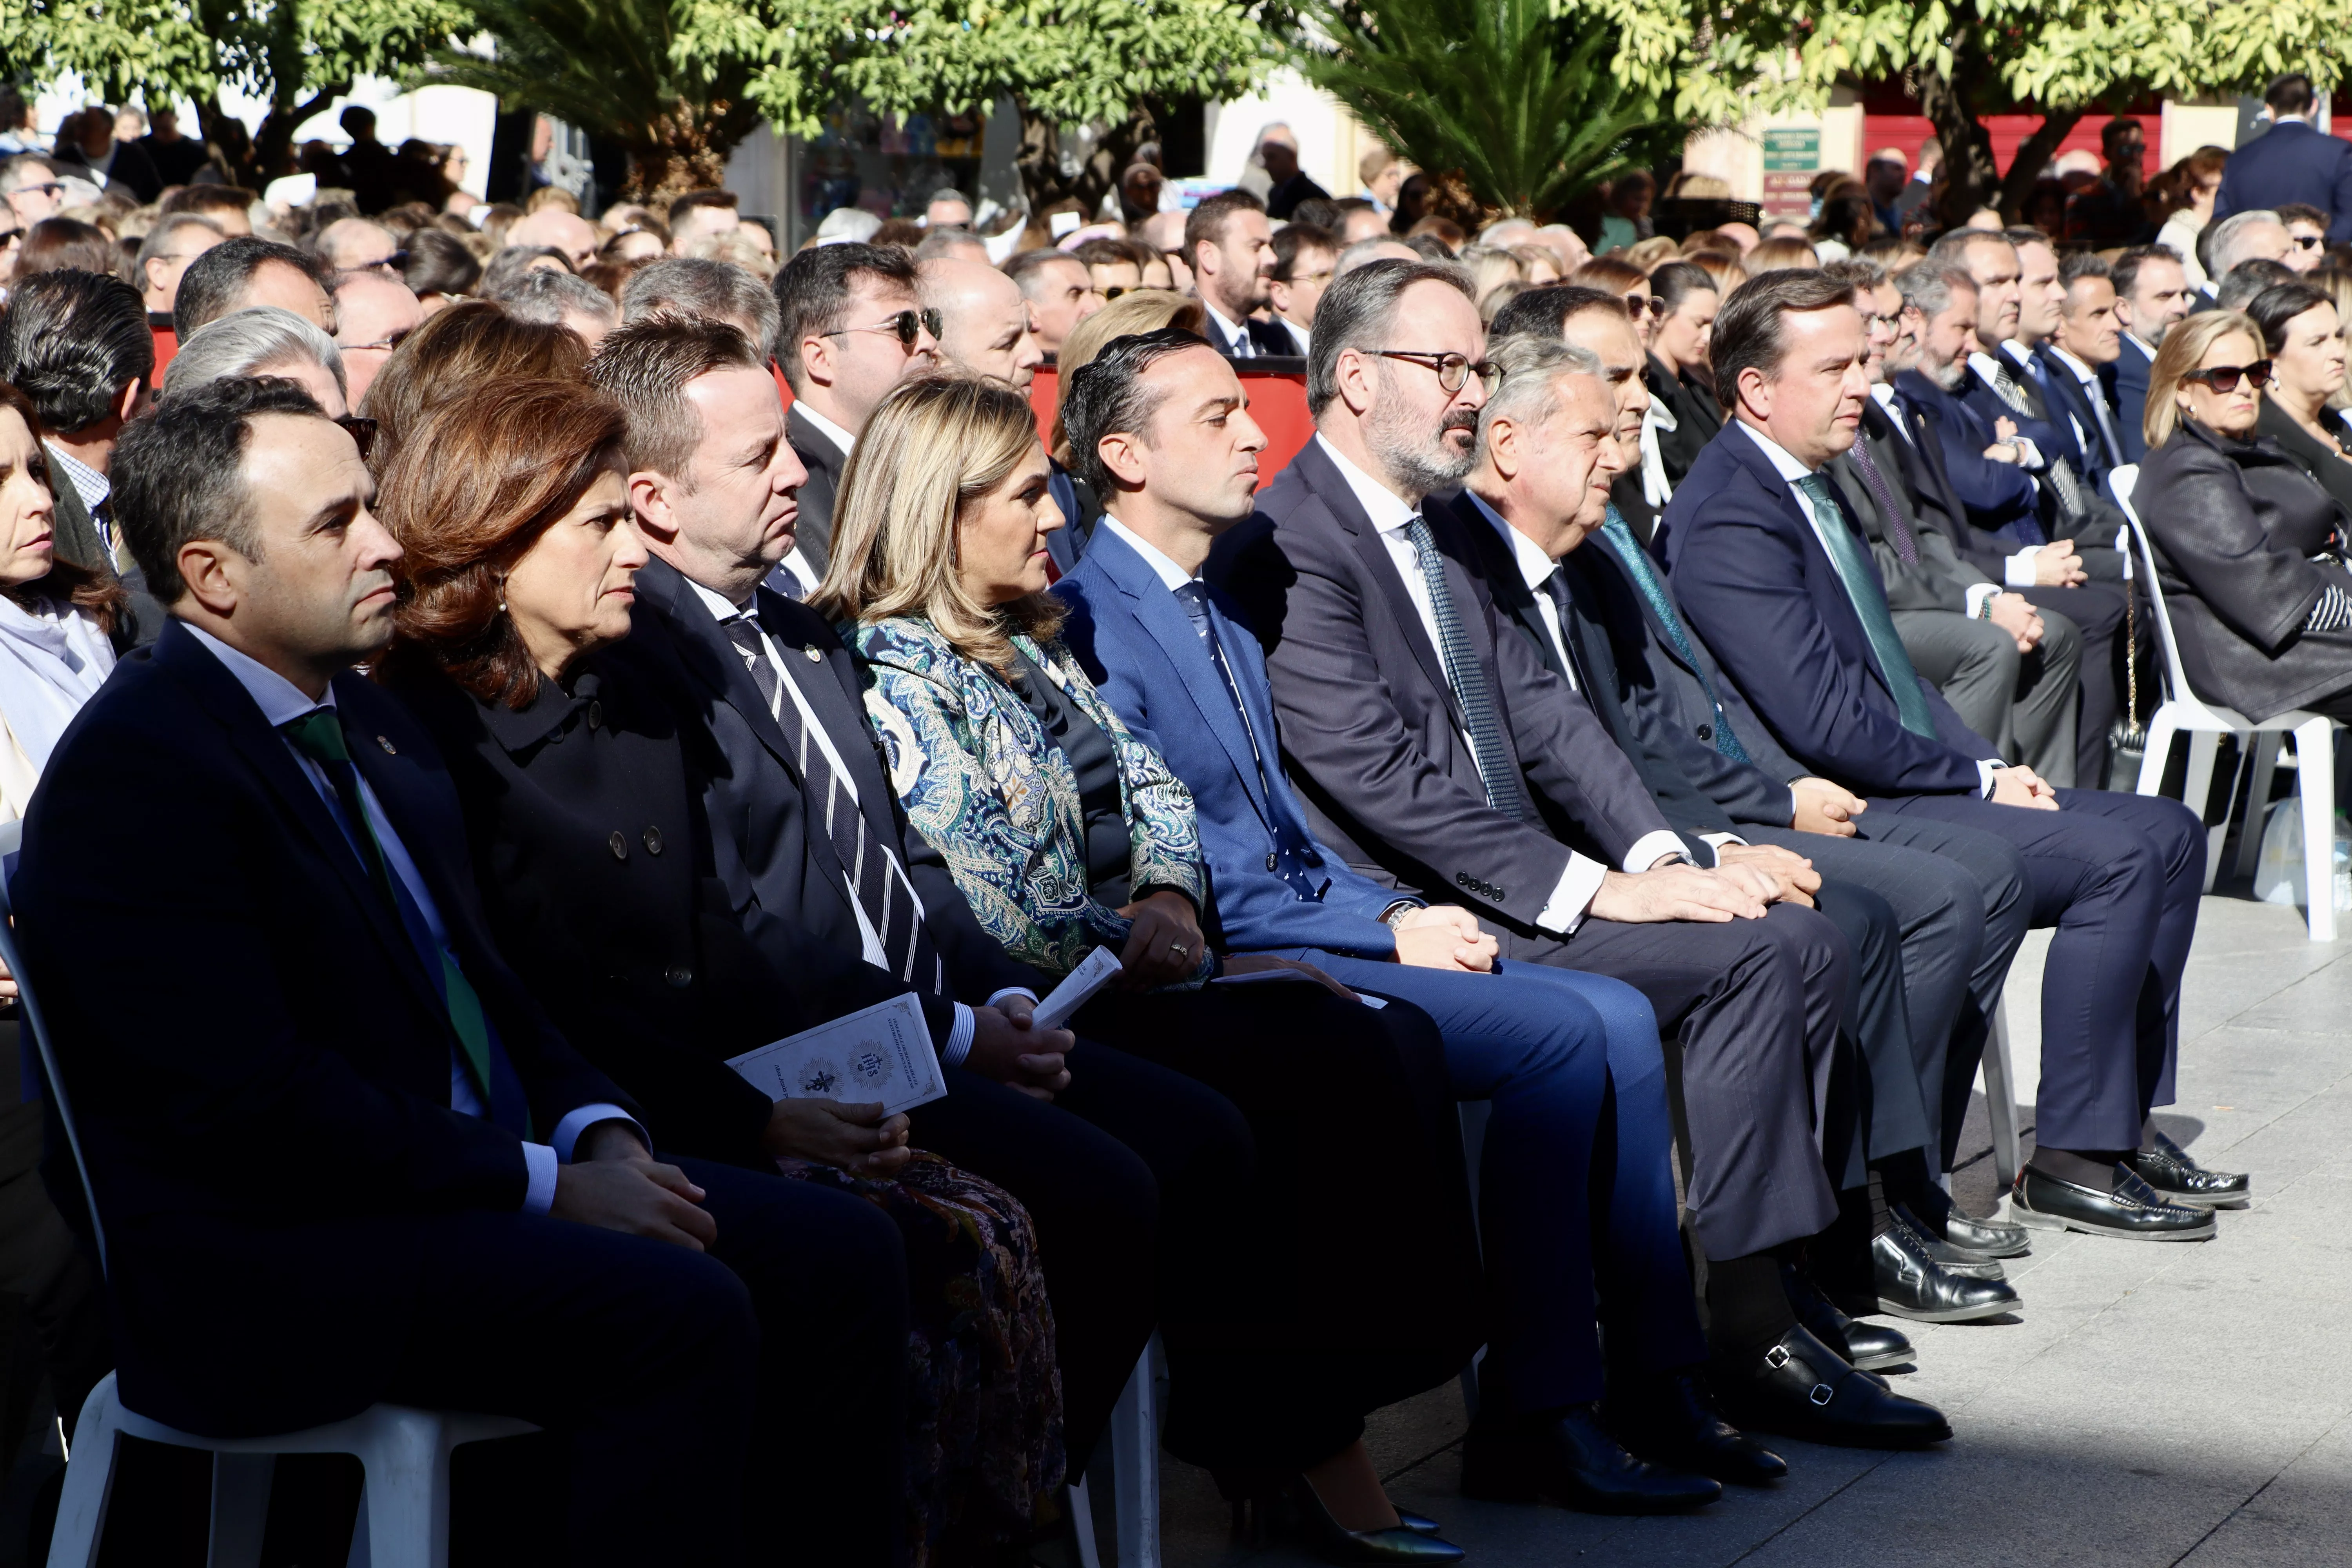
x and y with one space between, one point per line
1656 702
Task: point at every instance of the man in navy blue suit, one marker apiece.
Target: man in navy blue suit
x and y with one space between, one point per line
2151 294
1776 578
2291 162
339 1154
1157 428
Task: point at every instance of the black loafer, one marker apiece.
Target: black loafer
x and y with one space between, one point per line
1335 1544
2132 1212
1911 1284
1670 1419
2179 1179
1572 1459
1985 1238
1872 1347
1802 1388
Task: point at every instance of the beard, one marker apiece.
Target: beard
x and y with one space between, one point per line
1951 374
1417 458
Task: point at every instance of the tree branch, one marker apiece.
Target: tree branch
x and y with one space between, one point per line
2031 154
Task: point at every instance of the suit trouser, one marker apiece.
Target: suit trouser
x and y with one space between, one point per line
1873 1107
1576 1181
2119 877
2096 611
714 1408
1753 1007
2024 705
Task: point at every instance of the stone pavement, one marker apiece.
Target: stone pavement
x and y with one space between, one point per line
2151 1405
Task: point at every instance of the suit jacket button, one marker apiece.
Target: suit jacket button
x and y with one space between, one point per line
652 841
1270 859
1706 732
595 714
620 845
678 976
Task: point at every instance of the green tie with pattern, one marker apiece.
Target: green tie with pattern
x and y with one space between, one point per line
1853 570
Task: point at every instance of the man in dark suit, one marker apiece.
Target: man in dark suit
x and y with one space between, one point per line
1157 425
850 328
1437 756
1229 245
1776 578
803 828
2073 359
2151 294
2290 162
376 1171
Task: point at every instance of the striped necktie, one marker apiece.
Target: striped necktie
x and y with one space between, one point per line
1468 679
1898 531
2010 391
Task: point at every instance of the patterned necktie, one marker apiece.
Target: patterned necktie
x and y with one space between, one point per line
2062 473
1468 679
1869 599
1636 562
2095 396
1898 531
319 735
1194 597
869 870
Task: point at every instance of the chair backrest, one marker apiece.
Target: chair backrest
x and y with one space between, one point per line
30 1022
2176 678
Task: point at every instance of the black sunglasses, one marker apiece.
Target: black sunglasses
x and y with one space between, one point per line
362 432
907 325
397 261
2224 377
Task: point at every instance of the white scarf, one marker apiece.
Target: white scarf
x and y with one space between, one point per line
52 660
1655 488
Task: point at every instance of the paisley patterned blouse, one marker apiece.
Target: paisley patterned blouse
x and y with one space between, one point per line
986 786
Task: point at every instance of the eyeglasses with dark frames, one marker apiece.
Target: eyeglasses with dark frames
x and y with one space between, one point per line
362 433
908 326
1454 369
2225 378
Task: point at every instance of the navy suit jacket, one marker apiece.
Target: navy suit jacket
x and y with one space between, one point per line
262 1090
1998 498
2069 400
2290 162
1757 585
2127 383
1137 646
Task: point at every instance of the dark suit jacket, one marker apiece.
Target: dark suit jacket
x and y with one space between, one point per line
1274 888
1937 579
1267 337
2330 468
768 846
1372 732
2070 399
2127 381
2234 524
825 462
1997 500
2290 162
259 1062
1757 585
1697 416
79 541
133 171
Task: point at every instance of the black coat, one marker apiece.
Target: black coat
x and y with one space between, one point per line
257 1061
1697 416
824 461
2234 524
2328 465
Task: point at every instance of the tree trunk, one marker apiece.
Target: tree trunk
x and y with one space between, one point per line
2037 150
1970 174
685 150
273 144
1040 163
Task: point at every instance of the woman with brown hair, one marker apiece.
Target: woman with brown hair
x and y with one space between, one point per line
456 350
521 556
1615 274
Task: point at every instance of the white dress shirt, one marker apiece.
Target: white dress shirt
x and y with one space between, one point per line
958 1041
1392 516
796 561
282 702
1791 470
2087 377
1233 335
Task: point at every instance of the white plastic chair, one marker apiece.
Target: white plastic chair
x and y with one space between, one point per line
403 1452
2184 713
1134 1473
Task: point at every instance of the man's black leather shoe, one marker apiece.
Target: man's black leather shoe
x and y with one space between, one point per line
1670 1419
1939 1216
2132 1211
1965 1260
1802 1388
1913 1285
2179 1179
1572 1459
1873 1347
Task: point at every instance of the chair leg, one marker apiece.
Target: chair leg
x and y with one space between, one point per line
2157 752
2000 1098
1082 1516
2258 796
2198 795
1135 1467
241 1484
89 1482
405 1455
2314 782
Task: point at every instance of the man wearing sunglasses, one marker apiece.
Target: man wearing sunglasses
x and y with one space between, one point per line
31 184
2307 235
849 328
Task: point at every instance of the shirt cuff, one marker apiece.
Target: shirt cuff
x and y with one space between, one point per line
1653 847
1565 911
1715 841
568 1131
1977 594
1986 768
539 1160
2017 570
1014 991
2029 454
959 1045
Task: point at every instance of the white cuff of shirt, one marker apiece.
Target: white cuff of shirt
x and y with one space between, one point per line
567 1131
959 1045
1716 841
1653 847
1976 597
2017 570
1565 910
539 1161
2029 455
1986 768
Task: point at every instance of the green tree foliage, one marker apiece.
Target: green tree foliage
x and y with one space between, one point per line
296 56
1521 100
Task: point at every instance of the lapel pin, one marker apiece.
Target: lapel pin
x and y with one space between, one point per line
389 749
813 656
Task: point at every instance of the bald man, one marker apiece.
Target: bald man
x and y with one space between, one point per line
567 232
373 314
984 321
356 245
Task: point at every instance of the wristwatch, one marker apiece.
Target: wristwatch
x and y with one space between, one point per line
1398 911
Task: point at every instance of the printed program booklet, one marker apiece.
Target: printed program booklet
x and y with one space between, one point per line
882 1052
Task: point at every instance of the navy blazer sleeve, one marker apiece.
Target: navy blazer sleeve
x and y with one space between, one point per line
1997 495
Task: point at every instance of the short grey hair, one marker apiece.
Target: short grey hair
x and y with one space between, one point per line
547 296
164 236
1927 288
715 290
248 342
2231 233
1526 391
1359 254
1358 311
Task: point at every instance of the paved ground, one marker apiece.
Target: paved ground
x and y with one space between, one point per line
2151 1405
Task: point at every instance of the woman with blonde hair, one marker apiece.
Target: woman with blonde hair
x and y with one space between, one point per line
2250 549
1070 838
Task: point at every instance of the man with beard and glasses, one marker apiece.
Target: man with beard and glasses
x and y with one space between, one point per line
1438 757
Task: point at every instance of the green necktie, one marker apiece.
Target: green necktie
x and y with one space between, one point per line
1869 603
319 735
1636 562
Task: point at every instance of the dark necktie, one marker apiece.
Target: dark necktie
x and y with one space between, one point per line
2062 473
1555 588
1194 597
1468 679
1853 566
319 735
1636 562
1898 531
869 870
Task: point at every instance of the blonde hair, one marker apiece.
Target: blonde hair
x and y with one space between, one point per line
1136 311
1652 253
2185 348
933 449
